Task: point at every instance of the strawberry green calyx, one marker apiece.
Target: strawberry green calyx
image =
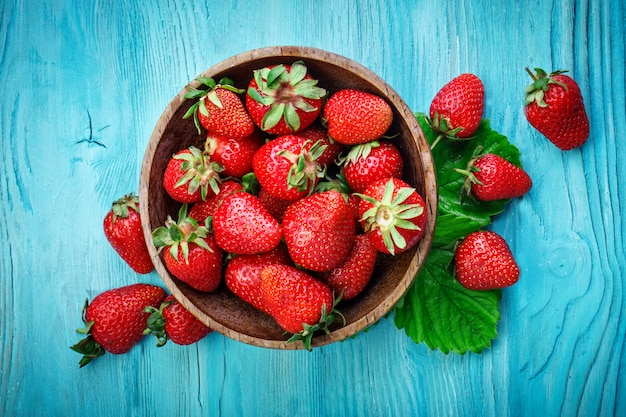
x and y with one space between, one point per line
305 170
390 214
200 172
358 152
207 93
156 323
541 83
440 124
120 207
284 92
88 347
326 320
180 234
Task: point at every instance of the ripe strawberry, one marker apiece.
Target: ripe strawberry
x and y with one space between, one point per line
554 106
319 231
393 215
484 261
299 303
276 206
190 176
235 155
243 274
457 108
115 320
351 277
316 133
355 116
219 109
242 225
172 321
284 99
122 228
491 177
192 254
203 209
287 166
370 162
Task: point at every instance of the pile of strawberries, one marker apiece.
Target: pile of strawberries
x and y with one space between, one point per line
291 195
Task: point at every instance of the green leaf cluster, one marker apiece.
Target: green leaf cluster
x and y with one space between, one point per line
437 310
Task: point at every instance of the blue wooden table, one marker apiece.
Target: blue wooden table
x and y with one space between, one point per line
83 85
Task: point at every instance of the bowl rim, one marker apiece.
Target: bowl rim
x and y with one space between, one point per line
430 195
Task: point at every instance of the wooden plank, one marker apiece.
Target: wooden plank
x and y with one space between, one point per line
83 84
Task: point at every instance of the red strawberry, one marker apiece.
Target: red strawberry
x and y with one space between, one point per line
191 176
491 177
122 228
284 99
219 109
242 225
393 215
351 277
203 209
276 206
172 321
190 252
319 231
371 161
235 155
484 261
243 274
115 320
287 166
355 116
316 133
457 109
299 303
554 106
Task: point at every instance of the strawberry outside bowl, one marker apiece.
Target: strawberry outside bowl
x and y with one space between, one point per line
222 310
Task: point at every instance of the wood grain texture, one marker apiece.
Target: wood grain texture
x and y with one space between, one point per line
83 85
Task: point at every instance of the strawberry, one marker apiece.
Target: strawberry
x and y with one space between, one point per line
554 106
276 206
287 166
371 161
219 109
172 321
242 225
340 185
192 254
351 277
234 155
284 99
393 215
484 261
243 274
319 231
491 177
190 176
457 108
122 228
115 320
316 133
299 303
354 116
203 209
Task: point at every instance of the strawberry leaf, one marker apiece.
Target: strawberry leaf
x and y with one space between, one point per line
437 310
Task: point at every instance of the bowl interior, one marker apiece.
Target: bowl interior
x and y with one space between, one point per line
223 311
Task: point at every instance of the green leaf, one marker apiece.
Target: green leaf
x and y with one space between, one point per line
439 312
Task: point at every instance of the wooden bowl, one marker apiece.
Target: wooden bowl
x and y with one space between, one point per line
223 311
